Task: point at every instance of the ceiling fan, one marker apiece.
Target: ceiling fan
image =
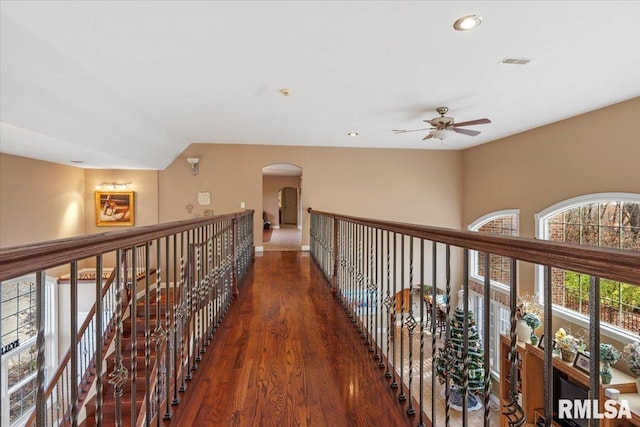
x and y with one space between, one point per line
443 126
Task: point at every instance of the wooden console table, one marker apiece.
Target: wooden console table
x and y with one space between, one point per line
532 388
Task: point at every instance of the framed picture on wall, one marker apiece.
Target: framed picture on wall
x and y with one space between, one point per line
114 208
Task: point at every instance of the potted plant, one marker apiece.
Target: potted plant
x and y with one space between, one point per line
527 304
608 356
569 345
533 321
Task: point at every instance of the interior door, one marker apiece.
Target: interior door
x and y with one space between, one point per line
289 205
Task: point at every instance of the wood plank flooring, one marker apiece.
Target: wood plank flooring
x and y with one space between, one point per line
286 355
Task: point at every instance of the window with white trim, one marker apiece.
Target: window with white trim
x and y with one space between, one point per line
607 220
498 324
18 335
504 223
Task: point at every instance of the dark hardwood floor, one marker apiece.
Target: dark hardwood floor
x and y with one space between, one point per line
287 355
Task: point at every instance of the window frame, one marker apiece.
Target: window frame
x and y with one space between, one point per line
51 350
473 255
496 319
496 307
542 233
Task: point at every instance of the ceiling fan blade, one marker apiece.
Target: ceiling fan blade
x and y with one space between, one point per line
466 131
472 122
427 137
396 131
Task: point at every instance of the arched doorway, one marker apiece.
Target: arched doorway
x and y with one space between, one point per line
282 207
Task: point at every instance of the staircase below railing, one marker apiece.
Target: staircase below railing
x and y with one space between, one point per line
133 359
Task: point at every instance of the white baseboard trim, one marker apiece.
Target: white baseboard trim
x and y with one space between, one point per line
275 226
306 248
259 248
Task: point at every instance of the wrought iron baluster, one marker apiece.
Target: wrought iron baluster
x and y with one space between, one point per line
434 322
73 385
182 309
447 406
594 343
147 334
402 397
372 290
41 402
168 332
548 366
377 329
387 303
99 341
465 334
190 278
512 410
360 281
486 337
119 374
411 324
393 361
134 329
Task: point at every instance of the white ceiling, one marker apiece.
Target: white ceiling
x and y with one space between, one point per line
131 84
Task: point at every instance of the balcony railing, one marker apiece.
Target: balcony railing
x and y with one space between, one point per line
377 269
186 275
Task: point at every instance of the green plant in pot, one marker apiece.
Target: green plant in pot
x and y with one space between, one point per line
533 321
608 356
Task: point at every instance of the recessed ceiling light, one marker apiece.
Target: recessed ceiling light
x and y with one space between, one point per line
285 92
353 134
467 23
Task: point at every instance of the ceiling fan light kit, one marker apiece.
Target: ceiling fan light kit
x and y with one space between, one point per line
440 134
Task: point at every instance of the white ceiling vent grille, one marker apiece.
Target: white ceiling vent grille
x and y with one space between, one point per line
515 61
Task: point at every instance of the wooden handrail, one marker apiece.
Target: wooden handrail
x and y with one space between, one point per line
19 260
602 262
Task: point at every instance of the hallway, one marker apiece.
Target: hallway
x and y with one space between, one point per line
286 238
287 355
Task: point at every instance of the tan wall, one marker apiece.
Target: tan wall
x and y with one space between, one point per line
592 153
39 201
417 186
271 186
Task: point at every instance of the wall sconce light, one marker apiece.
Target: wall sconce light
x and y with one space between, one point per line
113 186
193 161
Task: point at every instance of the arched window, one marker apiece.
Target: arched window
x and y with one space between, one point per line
505 223
609 220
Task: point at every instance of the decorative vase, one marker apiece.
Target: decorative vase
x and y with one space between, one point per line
605 373
534 338
569 355
523 331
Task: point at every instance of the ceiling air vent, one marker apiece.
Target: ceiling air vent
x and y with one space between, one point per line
515 61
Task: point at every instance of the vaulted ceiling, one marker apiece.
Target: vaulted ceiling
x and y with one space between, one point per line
132 84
